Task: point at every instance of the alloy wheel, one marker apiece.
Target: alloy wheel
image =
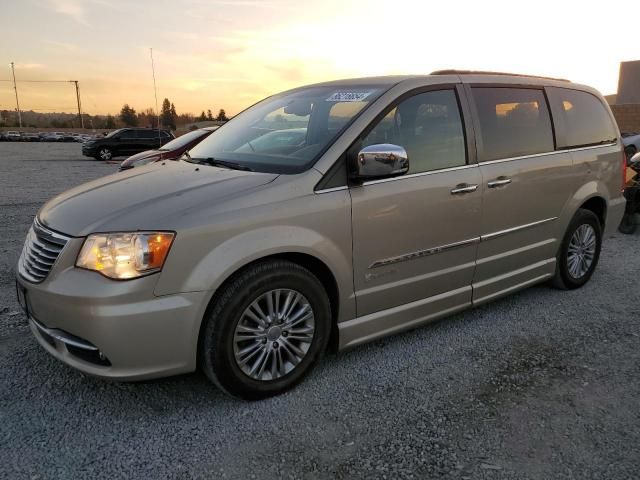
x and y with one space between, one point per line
273 334
581 251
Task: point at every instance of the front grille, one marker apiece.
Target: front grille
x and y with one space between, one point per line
40 252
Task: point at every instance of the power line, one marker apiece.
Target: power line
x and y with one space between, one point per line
37 81
75 82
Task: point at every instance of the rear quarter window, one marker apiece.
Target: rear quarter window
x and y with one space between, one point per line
513 122
581 118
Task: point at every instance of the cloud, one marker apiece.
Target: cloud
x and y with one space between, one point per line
72 8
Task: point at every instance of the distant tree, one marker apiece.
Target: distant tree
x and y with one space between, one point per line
202 117
174 116
166 119
222 116
209 115
109 122
128 116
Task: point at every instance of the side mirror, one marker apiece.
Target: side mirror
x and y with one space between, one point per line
380 161
634 160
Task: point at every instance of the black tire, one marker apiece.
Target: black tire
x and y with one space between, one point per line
628 225
216 353
630 151
563 279
105 154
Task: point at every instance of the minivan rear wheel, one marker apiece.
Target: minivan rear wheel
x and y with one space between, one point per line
266 330
579 252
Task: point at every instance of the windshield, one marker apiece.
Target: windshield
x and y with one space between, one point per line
286 133
182 140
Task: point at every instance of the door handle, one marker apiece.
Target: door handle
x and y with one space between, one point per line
499 182
464 188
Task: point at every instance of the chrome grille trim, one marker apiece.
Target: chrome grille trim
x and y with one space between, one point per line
40 252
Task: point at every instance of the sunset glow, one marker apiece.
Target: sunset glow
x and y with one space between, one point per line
212 54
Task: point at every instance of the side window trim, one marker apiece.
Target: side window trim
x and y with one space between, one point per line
475 119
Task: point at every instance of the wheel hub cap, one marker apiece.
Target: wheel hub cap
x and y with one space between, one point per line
273 334
582 251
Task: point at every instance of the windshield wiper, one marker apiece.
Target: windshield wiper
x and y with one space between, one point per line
223 163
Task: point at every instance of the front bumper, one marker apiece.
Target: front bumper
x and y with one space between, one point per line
89 150
113 329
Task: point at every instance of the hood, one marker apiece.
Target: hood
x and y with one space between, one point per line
146 198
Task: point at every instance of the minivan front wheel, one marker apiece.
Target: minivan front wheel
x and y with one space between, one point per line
579 252
265 331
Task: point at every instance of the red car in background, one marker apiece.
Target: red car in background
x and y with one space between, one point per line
169 151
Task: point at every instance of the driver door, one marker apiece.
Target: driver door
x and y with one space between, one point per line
415 236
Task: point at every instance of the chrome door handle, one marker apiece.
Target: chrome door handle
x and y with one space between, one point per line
464 188
499 182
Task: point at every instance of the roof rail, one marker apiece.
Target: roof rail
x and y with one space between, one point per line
482 72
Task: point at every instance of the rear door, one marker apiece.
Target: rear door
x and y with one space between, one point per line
148 140
415 236
526 183
127 143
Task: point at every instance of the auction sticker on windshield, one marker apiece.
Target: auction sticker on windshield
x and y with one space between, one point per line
349 96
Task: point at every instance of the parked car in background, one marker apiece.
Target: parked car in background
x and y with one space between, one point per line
13 136
126 141
54 137
409 199
30 137
170 151
631 142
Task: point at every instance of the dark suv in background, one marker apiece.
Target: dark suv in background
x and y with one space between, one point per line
126 141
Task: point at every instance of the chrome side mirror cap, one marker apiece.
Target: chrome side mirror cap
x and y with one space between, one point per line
381 161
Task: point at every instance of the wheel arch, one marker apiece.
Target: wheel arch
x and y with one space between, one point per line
312 263
597 205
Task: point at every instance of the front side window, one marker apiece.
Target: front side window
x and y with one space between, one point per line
286 133
585 120
513 122
429 127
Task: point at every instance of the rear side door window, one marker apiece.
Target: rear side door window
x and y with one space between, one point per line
513 122
581 118
128 135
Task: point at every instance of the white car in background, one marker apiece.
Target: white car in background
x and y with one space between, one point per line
631 142
13 136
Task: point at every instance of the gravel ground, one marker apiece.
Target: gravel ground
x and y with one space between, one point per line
543 384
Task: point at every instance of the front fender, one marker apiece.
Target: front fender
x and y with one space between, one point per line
319 226
247 247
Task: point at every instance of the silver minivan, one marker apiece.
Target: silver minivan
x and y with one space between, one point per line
322 218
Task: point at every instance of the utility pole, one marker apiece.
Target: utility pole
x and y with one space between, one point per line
79 103
13 72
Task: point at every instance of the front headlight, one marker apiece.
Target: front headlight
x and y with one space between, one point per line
125 255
